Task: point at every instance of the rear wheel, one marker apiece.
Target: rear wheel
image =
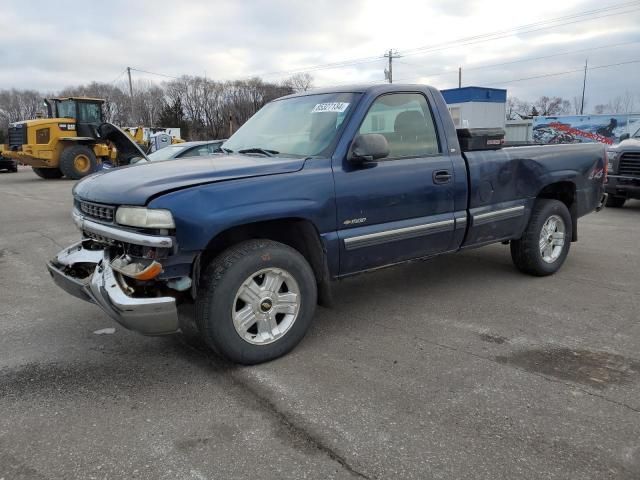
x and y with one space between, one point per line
48 173
78 161
256 301
544 246
614 201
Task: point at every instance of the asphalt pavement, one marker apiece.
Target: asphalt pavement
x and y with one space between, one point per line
455 368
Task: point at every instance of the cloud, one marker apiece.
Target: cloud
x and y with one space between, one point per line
49 46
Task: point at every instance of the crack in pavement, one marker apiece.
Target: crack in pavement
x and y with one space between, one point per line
293 427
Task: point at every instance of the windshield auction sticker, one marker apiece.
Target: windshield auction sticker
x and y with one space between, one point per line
337 107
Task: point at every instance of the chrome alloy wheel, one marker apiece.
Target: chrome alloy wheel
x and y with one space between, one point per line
266 306
552 238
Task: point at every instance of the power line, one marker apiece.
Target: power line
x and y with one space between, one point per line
521 60
118 77
566 72
522 29
446 47
477 38
153 73
481 38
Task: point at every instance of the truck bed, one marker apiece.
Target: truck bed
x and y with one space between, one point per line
504 183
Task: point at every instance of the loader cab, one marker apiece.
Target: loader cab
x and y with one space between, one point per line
87 113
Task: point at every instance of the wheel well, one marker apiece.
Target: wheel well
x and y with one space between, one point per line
297 233
566 193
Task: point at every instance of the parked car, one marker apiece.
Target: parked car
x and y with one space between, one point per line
624 170
315 187
186 149
8 164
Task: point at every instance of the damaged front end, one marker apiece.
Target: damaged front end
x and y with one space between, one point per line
124 273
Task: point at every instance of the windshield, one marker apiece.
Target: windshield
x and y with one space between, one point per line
637 134
167 152
303 126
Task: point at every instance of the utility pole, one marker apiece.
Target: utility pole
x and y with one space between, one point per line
584 84
459 77
130 90
388 72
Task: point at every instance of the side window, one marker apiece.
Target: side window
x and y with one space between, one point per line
214 147
455 115
405 120
89 112
196 152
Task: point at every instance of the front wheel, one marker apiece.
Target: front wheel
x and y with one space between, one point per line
47 173
544 245
256 301
78 161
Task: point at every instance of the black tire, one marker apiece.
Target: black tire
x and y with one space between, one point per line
70 162
221 282
47 173
614 201
526 253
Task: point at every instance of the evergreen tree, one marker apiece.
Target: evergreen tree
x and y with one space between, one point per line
172 116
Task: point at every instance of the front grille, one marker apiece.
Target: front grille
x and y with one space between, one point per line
17 136
629 164
102 213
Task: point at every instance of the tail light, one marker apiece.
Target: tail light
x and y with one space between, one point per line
605 170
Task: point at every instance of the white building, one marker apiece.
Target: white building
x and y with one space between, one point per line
477 107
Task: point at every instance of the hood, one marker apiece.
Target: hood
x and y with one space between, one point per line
36 122
631 144
136 184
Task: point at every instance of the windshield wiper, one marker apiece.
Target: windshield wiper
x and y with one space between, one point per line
263 151
226 150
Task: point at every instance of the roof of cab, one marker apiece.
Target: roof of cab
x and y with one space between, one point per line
86 99
375 89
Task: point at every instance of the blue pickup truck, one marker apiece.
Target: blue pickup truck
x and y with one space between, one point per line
315 187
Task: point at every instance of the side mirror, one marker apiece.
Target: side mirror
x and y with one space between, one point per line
625 136
369 147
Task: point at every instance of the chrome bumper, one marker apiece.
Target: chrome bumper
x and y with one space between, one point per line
149 316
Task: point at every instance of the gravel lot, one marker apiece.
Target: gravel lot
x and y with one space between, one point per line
455 368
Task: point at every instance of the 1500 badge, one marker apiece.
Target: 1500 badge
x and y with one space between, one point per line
355 221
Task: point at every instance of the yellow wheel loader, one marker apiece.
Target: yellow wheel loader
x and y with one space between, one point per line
73 141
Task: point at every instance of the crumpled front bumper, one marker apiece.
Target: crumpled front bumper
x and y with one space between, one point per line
87 274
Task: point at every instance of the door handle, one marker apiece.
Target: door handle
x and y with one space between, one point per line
442 176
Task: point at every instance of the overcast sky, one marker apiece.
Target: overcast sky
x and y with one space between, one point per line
51 45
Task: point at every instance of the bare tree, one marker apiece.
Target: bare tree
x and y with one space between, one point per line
628 102
600 109
199 106
551 106
578 106
516 108
300 82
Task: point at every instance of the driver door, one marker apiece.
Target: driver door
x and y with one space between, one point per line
399 207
